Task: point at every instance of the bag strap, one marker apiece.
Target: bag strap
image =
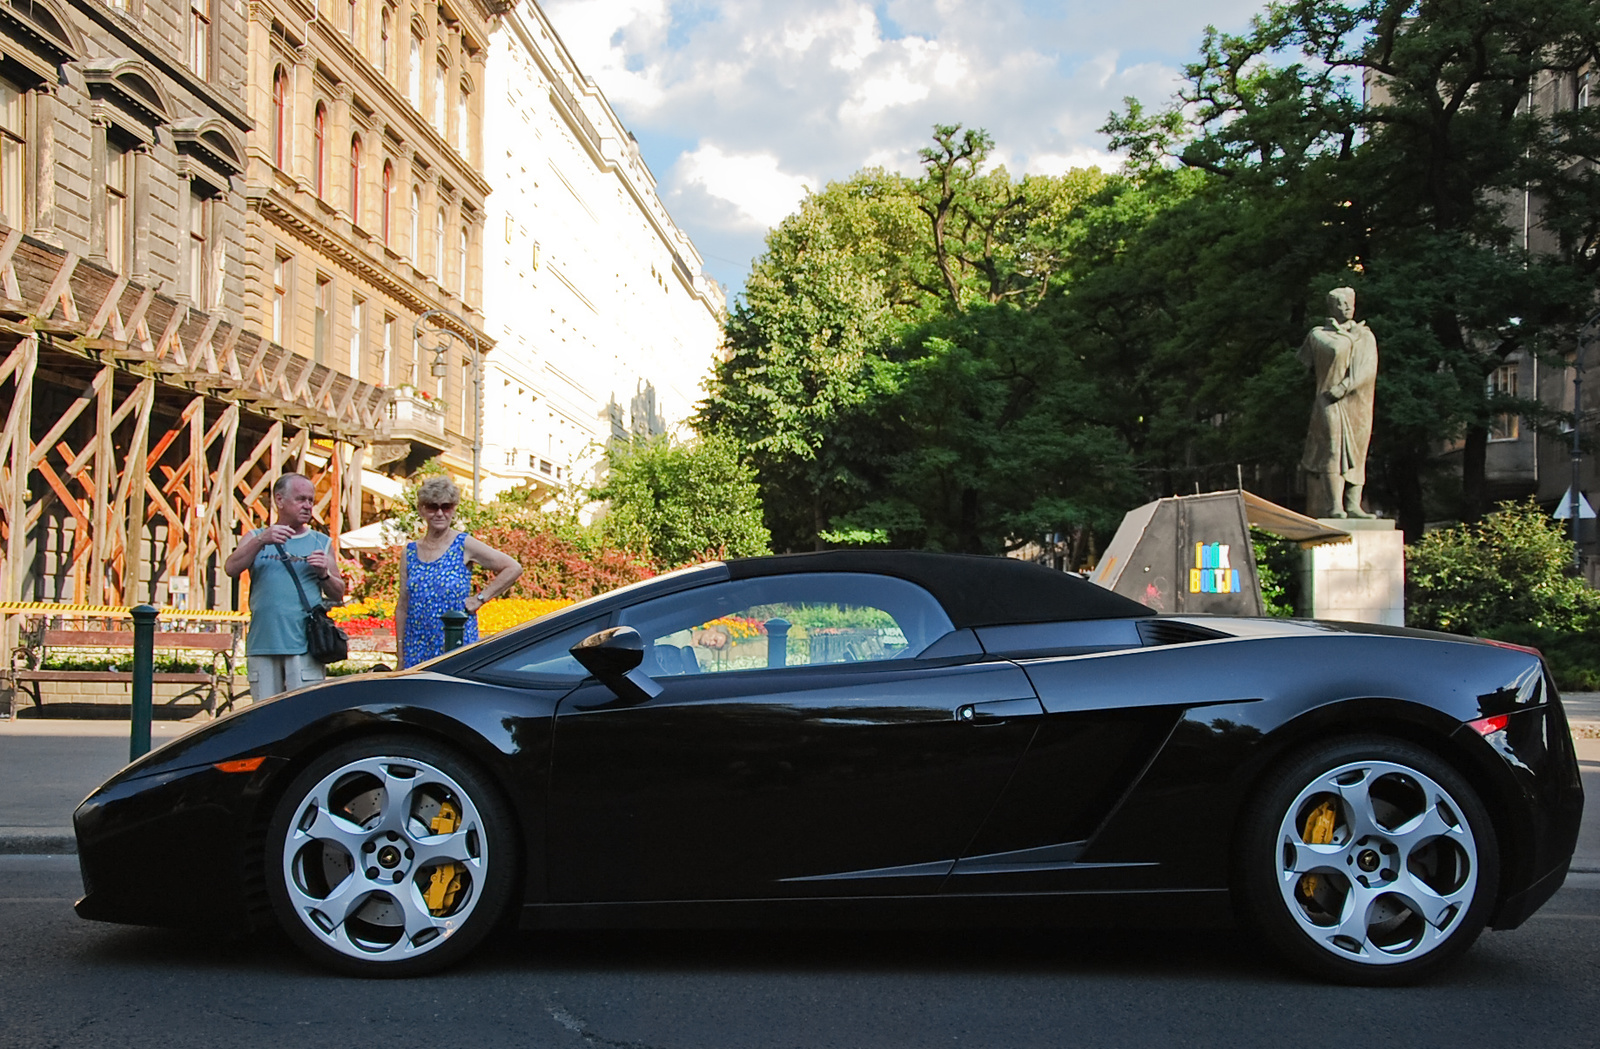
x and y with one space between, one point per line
293 576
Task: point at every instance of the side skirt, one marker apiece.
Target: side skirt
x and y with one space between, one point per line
1189 908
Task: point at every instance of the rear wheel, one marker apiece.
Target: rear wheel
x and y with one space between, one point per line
1368 860
389 857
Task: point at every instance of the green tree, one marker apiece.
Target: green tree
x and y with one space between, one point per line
1406 195
1511 569
994 439
842 312
802 364
681 501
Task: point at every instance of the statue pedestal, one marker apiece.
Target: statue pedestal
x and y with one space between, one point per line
1364 580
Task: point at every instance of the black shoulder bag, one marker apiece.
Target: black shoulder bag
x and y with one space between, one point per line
326 642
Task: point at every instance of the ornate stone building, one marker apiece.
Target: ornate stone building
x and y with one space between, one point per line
143 423
366 203
606 324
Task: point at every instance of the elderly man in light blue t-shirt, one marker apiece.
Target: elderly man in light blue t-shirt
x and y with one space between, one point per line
275 650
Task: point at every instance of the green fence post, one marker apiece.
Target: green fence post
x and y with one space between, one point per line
144 671
455 628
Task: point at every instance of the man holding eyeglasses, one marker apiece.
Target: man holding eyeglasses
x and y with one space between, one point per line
275 649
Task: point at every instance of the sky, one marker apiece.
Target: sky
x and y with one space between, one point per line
741 106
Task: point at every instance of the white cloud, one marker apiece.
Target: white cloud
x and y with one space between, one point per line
742 104
760 192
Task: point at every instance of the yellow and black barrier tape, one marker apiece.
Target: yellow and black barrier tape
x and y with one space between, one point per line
119 612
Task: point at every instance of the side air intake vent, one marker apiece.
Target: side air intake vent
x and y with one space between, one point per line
1174 632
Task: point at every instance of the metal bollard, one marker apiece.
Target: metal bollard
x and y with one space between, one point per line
455 628
777 642
144 670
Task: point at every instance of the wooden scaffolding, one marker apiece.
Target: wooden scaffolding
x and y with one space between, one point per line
141 436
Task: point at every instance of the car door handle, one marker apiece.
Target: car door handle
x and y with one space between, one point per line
998 711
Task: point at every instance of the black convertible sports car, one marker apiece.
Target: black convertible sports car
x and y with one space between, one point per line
879 738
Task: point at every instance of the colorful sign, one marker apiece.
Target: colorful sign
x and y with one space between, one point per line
1212 573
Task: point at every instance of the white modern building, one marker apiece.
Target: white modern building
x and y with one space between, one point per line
603 321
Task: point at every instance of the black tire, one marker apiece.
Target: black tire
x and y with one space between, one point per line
390 856
1367 860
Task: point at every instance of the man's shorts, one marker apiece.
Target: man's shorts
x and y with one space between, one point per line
274 675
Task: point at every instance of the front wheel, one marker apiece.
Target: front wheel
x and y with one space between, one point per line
389 857
1367 860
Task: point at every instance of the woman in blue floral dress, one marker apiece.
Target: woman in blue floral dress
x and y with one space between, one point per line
436 576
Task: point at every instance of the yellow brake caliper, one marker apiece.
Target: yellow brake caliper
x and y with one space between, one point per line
1319 831
445 882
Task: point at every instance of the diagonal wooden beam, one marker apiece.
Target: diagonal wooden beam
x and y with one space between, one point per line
71 414
103 315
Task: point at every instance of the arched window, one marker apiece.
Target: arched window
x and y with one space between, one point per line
385 28
461 264
441 76
355 179
438 246
319 150
416 226
414 73
463 122
388 204
280 125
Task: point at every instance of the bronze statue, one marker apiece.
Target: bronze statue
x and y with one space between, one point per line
1343 354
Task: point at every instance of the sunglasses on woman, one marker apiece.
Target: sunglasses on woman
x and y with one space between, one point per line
438 506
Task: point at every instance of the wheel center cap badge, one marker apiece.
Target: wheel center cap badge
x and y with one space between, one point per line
388 856
1367 860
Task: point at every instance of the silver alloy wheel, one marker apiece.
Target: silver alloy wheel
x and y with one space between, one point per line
1397 872
368 841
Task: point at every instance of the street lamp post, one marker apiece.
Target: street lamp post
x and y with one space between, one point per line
440 367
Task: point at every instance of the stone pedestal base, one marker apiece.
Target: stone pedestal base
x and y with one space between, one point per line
1362 581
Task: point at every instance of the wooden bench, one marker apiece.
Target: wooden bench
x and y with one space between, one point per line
43 635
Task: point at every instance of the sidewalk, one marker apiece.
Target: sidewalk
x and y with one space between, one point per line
49 765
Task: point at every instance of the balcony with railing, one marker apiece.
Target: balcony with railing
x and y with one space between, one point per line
415 415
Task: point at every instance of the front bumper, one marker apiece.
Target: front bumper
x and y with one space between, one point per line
178 848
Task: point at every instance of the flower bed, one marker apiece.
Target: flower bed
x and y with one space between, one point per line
374 618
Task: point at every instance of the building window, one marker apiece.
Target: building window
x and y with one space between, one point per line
388 204
319 151
323 318
385 29
461 264
358 311
1503 383
414 74
416 226
201 279
280 125
280 299
355 179
200 38
387 370
441 74
13 151
463 126
119 225
438 245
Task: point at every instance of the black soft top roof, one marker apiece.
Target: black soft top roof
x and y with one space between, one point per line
975 591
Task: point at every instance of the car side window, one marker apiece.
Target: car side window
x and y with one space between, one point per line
546 662
786 621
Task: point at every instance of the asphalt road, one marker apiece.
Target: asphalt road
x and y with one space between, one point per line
71 983
67 982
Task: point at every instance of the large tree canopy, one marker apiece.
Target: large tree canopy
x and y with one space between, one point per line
970 361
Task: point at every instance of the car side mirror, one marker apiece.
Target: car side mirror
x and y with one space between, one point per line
614 656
